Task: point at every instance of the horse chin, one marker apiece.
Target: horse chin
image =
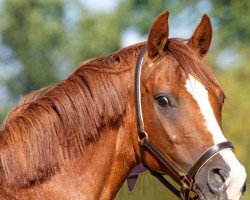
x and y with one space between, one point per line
204 193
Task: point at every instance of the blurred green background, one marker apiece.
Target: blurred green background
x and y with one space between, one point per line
41 41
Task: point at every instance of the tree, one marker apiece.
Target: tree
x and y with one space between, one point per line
34 31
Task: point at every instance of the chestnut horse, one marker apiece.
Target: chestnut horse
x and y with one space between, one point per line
78 139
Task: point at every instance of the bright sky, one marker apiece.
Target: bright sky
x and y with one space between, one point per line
100 5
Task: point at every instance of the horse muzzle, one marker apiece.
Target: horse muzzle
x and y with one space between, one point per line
218 180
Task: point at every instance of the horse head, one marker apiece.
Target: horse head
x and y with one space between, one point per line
181 105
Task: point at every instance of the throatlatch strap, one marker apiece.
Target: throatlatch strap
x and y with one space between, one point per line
165 182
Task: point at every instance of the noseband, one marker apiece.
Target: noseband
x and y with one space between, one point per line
186 180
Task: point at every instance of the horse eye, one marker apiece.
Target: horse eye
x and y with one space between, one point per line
162 101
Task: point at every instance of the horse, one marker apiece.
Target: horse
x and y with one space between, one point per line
81 137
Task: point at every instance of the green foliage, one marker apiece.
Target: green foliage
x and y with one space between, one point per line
236 120
141 13
34 31
102 28
233 19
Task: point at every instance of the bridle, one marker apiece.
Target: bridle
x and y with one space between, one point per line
186 180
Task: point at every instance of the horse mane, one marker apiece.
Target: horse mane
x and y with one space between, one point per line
58 122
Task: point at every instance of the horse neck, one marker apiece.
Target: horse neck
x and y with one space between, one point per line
110 160
101 170
97 175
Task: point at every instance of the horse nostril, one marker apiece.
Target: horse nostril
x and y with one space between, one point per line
243 189
217 180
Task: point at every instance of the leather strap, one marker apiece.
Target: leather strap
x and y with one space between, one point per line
140 123
166 183
203 159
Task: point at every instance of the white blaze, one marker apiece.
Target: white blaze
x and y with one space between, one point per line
237 174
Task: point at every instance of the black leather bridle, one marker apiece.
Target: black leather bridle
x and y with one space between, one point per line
185 179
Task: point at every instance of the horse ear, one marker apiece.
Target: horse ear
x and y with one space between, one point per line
158 36
201 39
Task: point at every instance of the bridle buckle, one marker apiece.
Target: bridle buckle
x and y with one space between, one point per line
188 184
142 135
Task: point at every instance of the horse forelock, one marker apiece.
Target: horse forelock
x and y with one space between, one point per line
193 64
59 122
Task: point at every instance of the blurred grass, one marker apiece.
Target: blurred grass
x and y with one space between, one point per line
236 120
